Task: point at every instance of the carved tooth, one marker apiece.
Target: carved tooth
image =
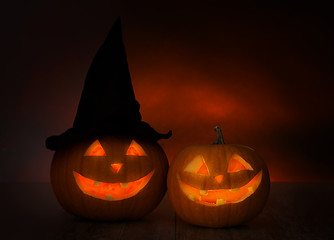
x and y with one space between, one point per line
234 189
251 189
124 185
203 192
109 197
96 183
220 201
192 197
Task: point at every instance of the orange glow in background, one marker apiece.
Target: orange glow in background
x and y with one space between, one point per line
250 108
264 75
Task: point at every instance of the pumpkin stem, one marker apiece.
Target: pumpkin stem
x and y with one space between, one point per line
220 139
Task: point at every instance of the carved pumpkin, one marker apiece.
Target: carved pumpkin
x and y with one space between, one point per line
218 185
110 177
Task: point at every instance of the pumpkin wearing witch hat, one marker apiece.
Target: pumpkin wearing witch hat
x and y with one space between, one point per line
109 166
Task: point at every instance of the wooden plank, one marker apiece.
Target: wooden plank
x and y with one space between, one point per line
293 211
186 231
157 225
30 211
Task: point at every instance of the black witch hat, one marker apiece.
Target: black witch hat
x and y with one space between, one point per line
107 104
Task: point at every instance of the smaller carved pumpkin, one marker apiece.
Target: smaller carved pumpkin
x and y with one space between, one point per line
218 185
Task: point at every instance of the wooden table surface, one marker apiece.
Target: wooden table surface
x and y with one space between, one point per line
293 211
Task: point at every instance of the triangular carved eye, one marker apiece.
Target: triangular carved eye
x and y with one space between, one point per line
135 149
237 163
198 166
95 149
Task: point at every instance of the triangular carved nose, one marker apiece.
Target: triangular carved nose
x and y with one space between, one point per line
116 166
219 178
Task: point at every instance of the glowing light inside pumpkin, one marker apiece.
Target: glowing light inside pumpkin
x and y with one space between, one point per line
237 163
95 149
219 178
111 191
221 196
135 149
116 166
198 166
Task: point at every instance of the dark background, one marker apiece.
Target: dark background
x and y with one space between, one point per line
264 73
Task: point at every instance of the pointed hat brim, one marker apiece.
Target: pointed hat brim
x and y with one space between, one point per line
142 130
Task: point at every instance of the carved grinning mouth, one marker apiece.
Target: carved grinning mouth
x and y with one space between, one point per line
221 196
111 191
